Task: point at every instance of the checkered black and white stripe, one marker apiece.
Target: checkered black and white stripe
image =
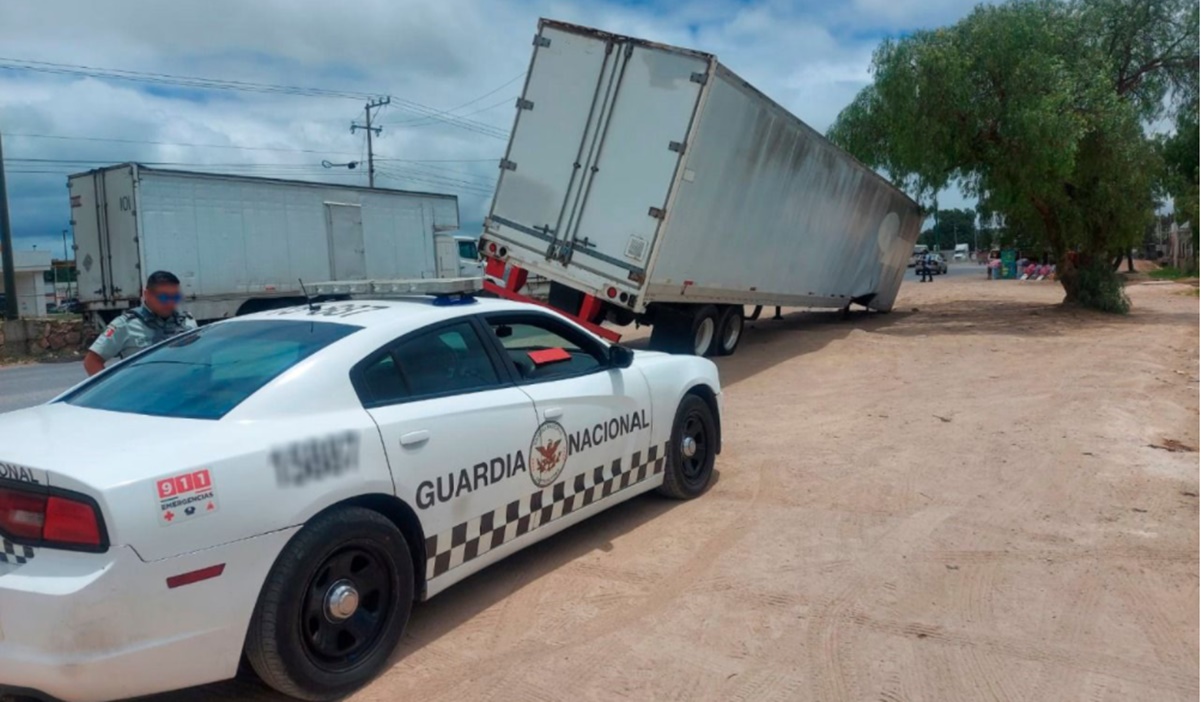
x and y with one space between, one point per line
15 554
479 535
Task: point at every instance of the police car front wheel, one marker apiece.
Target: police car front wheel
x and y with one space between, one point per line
334 606
692 450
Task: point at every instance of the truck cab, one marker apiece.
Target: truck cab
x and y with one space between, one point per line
471 264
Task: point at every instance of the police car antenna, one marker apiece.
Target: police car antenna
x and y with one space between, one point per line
307 297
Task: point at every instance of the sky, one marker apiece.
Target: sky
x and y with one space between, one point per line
453 68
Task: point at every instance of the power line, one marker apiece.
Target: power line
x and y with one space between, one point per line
242 86
64 137
172 79
462 123
420 121
440 181
280 149
495 90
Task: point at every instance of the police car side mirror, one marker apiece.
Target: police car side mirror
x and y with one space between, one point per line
620 357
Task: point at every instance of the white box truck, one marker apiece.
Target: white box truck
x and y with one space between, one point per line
242 244
650 183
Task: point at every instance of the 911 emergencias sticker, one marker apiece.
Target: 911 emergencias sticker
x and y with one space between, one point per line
185 496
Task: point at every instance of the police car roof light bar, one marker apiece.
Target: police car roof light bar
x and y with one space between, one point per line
446 291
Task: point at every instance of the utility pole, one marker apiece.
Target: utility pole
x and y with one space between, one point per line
6 247
67 257
374 104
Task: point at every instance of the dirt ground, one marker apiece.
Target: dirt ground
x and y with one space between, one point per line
980 496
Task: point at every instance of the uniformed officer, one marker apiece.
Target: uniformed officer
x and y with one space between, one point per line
156 319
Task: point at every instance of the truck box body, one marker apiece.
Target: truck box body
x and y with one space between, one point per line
232 239
657 171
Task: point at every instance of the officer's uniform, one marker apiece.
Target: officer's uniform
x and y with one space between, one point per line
138 328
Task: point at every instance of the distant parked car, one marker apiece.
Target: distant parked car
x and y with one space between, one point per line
939 264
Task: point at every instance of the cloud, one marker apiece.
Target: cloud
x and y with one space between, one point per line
811 57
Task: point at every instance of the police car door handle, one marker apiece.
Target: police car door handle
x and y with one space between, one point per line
414 438
552 413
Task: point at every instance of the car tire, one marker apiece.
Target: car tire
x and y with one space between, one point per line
730 324
333 607
691 451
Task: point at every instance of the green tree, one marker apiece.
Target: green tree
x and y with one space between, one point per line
1181 170
1037 108
951 227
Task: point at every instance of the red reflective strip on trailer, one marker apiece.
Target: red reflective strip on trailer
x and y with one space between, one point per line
518 297
544 356
195 576
495 268
516 279
590 308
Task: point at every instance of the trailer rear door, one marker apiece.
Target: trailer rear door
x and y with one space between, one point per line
347 255
642 141
546 158
603 125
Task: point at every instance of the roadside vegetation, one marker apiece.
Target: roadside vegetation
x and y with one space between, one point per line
1043 110
1170 273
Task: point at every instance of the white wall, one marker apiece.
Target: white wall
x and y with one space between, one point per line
31 294
31 289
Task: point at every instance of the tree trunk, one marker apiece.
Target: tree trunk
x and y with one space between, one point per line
1066 261
1069 276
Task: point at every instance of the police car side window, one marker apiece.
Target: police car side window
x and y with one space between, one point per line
447 360
382 383
542 348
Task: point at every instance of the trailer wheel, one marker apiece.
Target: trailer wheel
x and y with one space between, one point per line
729 330
704 330
689 329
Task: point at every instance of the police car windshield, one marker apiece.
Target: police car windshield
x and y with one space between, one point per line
205 374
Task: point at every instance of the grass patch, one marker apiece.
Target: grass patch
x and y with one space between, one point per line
1170 273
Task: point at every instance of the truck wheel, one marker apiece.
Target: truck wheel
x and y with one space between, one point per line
703 331
687 329
729 330
334 606
691 451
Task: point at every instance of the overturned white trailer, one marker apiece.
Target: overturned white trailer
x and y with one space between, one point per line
651 183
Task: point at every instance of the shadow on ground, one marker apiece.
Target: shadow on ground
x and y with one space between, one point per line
442 614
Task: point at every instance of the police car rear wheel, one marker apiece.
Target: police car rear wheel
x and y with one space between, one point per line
691 452
334 606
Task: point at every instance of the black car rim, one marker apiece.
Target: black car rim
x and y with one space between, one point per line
694 449
346 608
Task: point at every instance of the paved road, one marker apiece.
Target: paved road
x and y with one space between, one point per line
22 386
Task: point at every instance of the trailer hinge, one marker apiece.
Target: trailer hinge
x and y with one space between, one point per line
701 78
540 40
523 104
656 212
677 146
507 165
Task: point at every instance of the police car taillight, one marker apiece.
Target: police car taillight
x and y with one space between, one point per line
39 518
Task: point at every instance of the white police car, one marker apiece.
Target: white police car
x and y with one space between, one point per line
286 484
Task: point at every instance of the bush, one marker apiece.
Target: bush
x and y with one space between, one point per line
1100 287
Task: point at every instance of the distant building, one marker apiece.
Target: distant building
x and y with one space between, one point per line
30 268
1170 243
